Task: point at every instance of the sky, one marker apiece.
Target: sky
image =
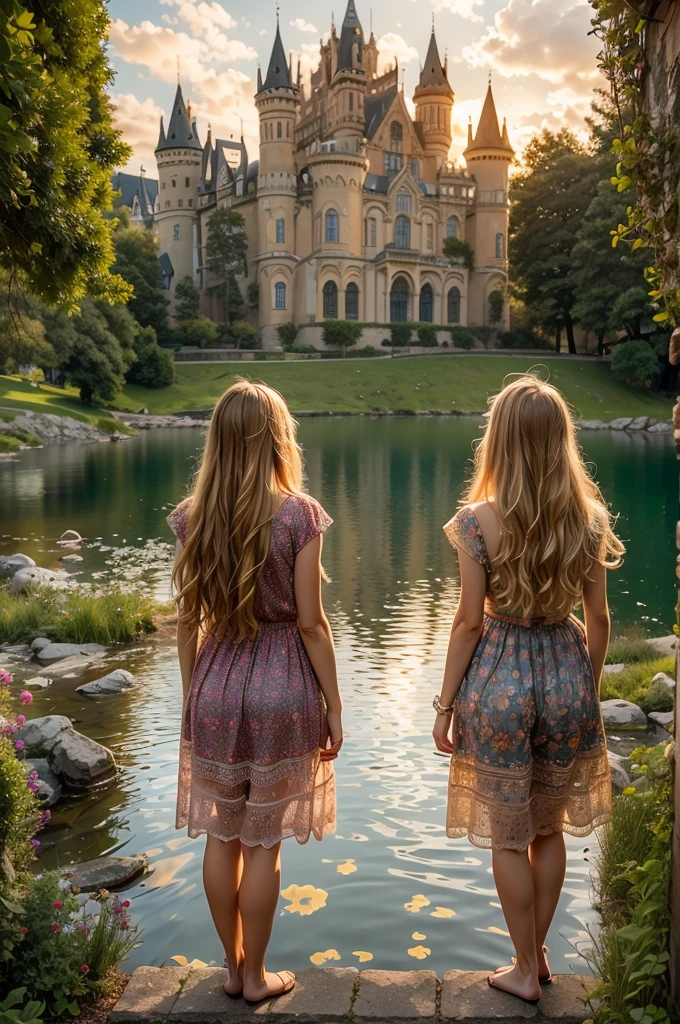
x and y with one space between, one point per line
539 53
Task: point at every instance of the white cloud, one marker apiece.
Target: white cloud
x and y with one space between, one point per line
308 55
463 8
393 47
139 123
304 26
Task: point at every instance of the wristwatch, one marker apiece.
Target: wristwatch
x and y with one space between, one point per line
439 707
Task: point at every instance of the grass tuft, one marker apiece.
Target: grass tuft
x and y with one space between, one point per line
635 681
110 616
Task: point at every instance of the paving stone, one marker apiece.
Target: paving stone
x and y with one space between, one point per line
204 1001
149 995
323 992
563 999
467 996
396 995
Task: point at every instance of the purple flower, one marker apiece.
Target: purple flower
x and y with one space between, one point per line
26 697
56 927
35 842
45 816
6 677
19 745
21 719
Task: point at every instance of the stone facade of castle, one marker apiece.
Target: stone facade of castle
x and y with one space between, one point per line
348 206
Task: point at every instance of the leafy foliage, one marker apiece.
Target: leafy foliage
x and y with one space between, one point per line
201 331
462 338
401 334
110 616
459 252
244 334
102 351
137 263
341 333
496 305
187 300
427 335
154 366
635 363
287 334
226 254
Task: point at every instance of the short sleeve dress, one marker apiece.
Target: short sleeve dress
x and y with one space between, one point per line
255 719
530 755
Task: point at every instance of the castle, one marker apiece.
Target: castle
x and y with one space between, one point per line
348 206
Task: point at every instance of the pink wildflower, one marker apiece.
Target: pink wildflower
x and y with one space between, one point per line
45 816
6 677
84 968
56 927
126 903
26 697
24 931
35 842
19 744
21 719
58 905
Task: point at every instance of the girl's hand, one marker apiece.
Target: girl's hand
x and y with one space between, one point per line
335 737
441 731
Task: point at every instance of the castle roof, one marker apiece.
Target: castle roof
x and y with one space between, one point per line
136 185
350 34
376 107
181 131
433 74
488 134
278 72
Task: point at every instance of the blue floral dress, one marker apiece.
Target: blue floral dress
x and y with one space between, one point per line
530 755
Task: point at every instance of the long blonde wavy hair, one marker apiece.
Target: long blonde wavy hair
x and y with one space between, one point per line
554 523
251 459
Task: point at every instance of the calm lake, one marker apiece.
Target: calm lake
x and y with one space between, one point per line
390 485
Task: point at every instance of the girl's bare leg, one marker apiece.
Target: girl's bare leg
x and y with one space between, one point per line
548 859
222 871
258 898
515 886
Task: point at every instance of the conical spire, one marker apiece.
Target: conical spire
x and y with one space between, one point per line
433 74
180 130
351 46
278 74
161 135
488 135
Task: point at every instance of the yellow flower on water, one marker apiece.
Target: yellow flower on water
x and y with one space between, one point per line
498 931
321 958
183 962
443 912
304 899
417 904
325 860
419 952
418 936
348 868
364 957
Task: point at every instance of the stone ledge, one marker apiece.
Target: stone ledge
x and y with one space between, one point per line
174 995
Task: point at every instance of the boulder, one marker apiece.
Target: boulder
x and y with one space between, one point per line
17 650
80 761
592 425
39 643
612 670
114 682
664 680
50 786
620 768
34 577
622 713
41 734
38 682
11 565
69 668
662 718
70 558
664 427
639 423
70 537
621 423
57 652
664 645
105 872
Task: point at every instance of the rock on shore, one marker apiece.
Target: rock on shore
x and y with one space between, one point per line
75 760
51 429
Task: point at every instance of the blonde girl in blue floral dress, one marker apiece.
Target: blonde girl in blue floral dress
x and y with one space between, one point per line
519 707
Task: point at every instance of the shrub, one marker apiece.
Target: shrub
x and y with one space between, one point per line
520 337
496 305
111 616
154 367
462 338
427 335
659 697
287 334
635 363
341 333
244 334
253 295
630 648
460 252
305 349
200 331
401 334
635 680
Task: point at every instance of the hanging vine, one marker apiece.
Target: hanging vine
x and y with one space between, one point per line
648 148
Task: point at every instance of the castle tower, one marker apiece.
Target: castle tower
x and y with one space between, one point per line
488 157
433 100
348 88
178 156
277 101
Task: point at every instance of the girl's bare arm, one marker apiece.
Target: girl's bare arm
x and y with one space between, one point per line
598 623
187 645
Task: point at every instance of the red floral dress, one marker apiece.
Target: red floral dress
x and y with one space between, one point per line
255 718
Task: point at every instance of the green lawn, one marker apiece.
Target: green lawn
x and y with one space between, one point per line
428 382
16 395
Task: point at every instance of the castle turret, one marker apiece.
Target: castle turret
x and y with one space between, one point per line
488 157
433 100
348 87
277 102
178 156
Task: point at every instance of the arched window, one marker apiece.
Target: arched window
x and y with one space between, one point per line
175 233
414 167
396 136
402 233
331 226
403 202
453 305
399 300
370 232
279 295
452 227
352 301
330 301
279 130
351 102
426 310
280 230
500 246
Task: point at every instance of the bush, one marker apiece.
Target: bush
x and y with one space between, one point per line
519 337
341 333
635 363
253 295
631 648
427 336
659 697
200 331
244 334
111 616
304 349
496 305
154 366
401 334
460 252
462 338
287 334
635 681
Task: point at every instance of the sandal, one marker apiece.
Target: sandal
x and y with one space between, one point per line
286 987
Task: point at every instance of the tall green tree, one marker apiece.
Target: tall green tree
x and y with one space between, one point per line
549 200
137 263
226 255
187 300
102 352
58 147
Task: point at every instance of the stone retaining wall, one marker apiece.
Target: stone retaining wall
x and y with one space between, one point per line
324 995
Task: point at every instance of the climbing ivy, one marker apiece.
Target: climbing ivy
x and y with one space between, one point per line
648 149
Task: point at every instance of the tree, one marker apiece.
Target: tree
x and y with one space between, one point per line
226 252
154 366
548 202
459 251
201 331
102 351
187 300
58 147
137 263
636 363
496 305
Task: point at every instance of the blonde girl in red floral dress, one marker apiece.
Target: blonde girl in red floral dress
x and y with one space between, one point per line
261 720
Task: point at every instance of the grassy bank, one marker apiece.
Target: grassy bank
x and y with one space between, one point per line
75 617
400 385
17 396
